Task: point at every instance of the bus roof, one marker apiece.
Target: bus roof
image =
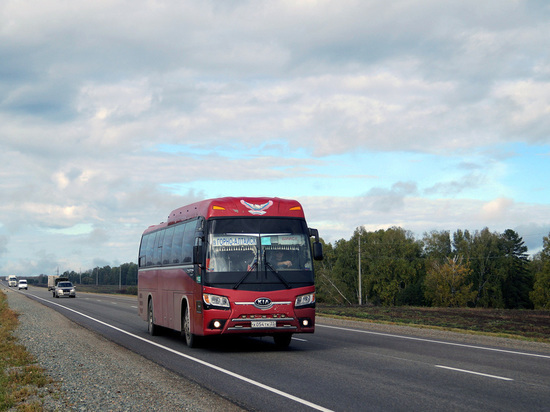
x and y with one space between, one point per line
235 206
238 206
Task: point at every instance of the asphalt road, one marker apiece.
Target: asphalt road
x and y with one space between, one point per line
338 368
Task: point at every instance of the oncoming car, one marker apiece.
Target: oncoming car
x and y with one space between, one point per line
64 289
23 284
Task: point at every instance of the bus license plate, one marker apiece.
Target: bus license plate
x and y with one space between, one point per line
264 324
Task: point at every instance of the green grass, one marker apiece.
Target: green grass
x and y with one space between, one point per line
20 376
521 324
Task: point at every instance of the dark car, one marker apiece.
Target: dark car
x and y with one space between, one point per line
64 289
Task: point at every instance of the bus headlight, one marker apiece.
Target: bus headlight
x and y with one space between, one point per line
305 300
215 300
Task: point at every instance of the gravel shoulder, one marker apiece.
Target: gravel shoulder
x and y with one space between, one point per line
91 373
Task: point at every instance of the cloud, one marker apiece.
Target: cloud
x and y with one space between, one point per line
496 209
113 113
387 200
455 187
3 244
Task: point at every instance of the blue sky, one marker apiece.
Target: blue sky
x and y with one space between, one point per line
429 115
514 170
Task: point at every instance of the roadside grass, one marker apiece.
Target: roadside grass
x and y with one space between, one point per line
20 375
533 325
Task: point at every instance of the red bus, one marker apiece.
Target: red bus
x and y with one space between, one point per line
230 266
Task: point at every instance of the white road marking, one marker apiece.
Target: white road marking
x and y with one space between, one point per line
474 373
435 341
200 361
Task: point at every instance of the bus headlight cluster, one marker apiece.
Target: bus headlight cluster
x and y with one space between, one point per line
305 300
215 300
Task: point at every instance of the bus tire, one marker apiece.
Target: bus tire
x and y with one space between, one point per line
190 339
151 327
282 340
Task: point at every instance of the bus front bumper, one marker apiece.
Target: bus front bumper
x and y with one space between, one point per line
217 322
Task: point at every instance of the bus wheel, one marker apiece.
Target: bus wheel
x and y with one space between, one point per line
190 338
151 327
282 340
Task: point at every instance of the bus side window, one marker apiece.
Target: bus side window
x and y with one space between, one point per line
157 252
177 244
143 250
149 250
188 240
167 245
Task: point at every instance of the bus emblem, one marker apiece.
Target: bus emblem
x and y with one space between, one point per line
263 303
257 209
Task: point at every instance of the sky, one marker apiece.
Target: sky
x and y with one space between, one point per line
428 115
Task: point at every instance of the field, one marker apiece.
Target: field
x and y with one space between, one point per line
521 324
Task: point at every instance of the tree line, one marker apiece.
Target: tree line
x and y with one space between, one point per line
466 269
125 274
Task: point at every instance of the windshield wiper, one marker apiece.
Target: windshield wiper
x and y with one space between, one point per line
268 265
250 269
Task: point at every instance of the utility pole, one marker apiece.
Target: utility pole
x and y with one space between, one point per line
360 293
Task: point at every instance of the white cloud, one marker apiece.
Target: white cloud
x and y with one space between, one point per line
496 209
294 97
529 105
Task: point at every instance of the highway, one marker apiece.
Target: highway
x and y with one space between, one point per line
337 368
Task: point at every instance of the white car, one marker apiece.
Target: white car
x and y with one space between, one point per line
23 284
64 289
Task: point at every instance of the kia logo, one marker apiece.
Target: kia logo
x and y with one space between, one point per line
263 303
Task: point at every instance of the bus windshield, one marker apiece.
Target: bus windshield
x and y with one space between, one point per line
258 254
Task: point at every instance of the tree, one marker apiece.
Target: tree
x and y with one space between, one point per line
437 245
446 284
393 266
129 273
517 280
540 296
328 286
345 269
481 252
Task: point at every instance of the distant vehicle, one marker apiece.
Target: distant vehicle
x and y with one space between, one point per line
12 281
212 269
23 284
53 280
64 289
